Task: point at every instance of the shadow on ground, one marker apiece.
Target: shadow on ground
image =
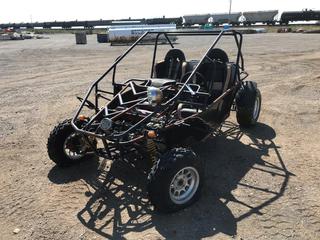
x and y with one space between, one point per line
118 202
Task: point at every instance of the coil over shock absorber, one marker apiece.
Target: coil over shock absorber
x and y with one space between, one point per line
152 151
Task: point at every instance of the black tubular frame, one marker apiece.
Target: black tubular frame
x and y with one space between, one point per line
239 64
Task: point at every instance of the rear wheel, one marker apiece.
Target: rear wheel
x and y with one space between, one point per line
248 104
175 181
65 146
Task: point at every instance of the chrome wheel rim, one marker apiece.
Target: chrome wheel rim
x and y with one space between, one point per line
68 152
256 109
184 185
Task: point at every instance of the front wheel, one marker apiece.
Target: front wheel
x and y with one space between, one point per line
66 147
175 180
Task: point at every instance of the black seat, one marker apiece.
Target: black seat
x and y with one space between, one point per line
171 67
215 74
187 68
220 75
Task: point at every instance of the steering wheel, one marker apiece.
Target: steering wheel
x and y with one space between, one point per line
200 79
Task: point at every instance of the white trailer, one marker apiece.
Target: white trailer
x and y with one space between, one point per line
4 37
130 33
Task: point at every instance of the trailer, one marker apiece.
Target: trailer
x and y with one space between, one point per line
178 21
10 35
92 23
130 33
306 15
5 37
221 18
200 19
265 17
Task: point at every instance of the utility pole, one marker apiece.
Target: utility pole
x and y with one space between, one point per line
230 7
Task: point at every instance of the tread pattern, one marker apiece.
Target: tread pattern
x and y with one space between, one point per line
162 173
245 100
55 143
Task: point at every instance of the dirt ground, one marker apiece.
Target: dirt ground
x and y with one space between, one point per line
261 183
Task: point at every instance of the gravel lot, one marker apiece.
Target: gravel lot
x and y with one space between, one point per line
260 184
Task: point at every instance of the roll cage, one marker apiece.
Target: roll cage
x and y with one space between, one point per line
140 90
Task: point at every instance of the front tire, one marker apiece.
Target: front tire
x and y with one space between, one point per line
65 147
175 181
248 104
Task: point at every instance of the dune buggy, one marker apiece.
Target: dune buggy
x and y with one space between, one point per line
157 120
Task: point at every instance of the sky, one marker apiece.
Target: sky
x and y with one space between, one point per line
65 10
